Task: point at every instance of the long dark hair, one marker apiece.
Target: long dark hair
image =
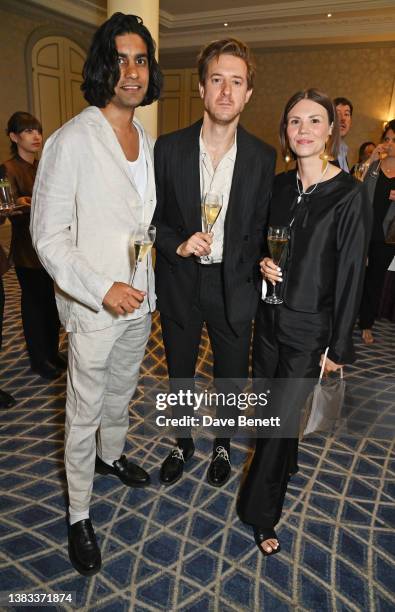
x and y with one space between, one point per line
389 126
322 99
20 121
101 70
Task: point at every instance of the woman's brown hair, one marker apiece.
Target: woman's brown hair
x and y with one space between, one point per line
332 146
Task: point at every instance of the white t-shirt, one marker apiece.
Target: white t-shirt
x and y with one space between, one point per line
138 168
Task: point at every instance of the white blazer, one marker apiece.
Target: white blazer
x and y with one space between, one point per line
85 208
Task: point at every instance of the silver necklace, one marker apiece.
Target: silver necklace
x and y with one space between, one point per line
303 193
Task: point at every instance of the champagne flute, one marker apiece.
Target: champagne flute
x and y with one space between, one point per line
6 196
382 155
143 240
277 240
211 207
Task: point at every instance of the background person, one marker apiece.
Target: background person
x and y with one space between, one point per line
344 110
38 307
364 152
380 254
321 285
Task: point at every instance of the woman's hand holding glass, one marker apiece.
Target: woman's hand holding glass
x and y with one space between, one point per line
379 153
277 240
270 271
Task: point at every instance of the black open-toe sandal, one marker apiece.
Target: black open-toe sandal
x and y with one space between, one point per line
260 535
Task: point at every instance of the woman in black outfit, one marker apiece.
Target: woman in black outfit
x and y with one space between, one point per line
380 254
38 307
321 285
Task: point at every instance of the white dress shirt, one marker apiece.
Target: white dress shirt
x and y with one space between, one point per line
342 156
217 181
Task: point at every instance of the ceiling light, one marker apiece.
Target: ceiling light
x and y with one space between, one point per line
329 15
226 25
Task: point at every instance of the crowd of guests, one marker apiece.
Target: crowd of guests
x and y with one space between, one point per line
102 166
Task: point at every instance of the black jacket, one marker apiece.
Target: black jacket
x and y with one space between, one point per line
178 216
327 251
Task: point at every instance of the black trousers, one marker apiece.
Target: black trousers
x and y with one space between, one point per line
230 351
379 258
39 314
287 345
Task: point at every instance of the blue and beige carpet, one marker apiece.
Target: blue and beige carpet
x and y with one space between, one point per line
183 548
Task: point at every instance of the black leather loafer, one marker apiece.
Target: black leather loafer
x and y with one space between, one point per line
129 473
6 400
219 469
173 466
46 370
84 552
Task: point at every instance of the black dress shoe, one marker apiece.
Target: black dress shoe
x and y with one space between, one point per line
6 400
46 370
59 362
129 473
173 466
84 552
219 470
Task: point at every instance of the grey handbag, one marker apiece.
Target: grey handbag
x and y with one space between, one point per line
323 407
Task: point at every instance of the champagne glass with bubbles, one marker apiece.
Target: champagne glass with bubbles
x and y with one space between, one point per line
143 240
211 207
277 240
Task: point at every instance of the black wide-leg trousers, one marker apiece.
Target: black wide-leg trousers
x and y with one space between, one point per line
40 318
230 350
379 258
287 347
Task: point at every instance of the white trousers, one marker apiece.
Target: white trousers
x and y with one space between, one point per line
102 375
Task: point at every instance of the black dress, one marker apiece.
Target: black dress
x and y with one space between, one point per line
380 254
322 286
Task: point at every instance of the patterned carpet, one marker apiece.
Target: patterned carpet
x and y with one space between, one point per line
183 548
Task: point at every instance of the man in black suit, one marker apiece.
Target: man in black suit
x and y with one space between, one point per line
213 155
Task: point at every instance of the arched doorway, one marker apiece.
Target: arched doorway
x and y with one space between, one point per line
57 74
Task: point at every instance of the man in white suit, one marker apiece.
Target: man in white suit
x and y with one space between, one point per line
94 186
